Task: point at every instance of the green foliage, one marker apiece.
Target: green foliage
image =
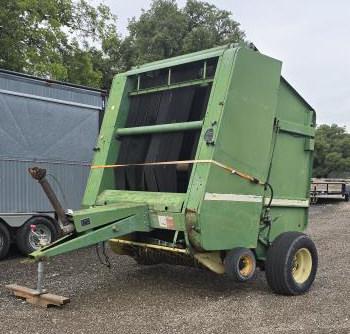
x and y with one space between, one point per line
332 151
30 35
158 33
71 40
40 37
165 30
209 26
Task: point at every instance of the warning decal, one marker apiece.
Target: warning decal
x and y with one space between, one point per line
166 222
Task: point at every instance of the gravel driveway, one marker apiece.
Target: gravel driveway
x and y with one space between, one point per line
163 299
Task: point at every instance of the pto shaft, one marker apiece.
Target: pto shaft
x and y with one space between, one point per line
39 174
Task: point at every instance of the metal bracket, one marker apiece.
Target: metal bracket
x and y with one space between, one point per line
291 127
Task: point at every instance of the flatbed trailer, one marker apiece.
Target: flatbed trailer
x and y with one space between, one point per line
329 189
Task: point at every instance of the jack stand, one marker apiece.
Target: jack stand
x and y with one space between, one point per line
39 296
39 286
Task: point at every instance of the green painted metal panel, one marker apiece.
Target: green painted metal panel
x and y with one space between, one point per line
286 170
292 160
296 128
244 138
156 201
225 225
118 229
286 219
98 216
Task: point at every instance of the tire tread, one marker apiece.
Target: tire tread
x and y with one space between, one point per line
7 240
277 274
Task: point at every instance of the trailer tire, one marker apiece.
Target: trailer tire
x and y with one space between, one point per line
291 264
240 264
24 238
5 240
346 197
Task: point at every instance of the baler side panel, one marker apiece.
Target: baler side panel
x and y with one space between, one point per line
292 163
231 210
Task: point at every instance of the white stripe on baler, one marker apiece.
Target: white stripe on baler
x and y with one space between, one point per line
256 199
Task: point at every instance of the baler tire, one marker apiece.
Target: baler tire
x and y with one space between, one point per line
5 240
233 261
23 234
286 274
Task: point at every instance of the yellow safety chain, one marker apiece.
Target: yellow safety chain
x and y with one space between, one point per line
186 162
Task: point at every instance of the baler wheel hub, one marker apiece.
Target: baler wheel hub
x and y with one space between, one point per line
302 265
40 236
240 264
246 266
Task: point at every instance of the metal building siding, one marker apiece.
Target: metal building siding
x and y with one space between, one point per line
41 88
20 193
54 126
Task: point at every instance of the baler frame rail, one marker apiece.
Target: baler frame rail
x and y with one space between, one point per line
200 82
161 128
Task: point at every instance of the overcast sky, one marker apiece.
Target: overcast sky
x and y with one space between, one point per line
311 37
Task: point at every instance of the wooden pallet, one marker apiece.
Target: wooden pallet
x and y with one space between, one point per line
34 297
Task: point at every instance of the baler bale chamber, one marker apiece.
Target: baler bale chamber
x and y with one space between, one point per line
204 160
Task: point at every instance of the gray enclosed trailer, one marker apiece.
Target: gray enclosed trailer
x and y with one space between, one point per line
50 124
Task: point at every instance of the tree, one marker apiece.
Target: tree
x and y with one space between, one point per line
332 151
165 31
72 40
53 38
209 26
30 35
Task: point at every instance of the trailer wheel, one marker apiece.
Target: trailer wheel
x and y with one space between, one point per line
346 197
27 242
5 241
291 264
240 264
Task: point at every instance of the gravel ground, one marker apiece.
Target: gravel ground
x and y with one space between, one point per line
165 299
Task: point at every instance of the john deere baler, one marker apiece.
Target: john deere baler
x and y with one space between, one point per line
204 160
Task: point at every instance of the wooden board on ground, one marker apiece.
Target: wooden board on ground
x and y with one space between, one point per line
34 297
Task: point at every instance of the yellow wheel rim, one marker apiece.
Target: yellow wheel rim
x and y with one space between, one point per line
246 265
302 265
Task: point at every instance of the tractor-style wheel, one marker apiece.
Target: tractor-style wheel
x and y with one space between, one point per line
240 264
291 264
